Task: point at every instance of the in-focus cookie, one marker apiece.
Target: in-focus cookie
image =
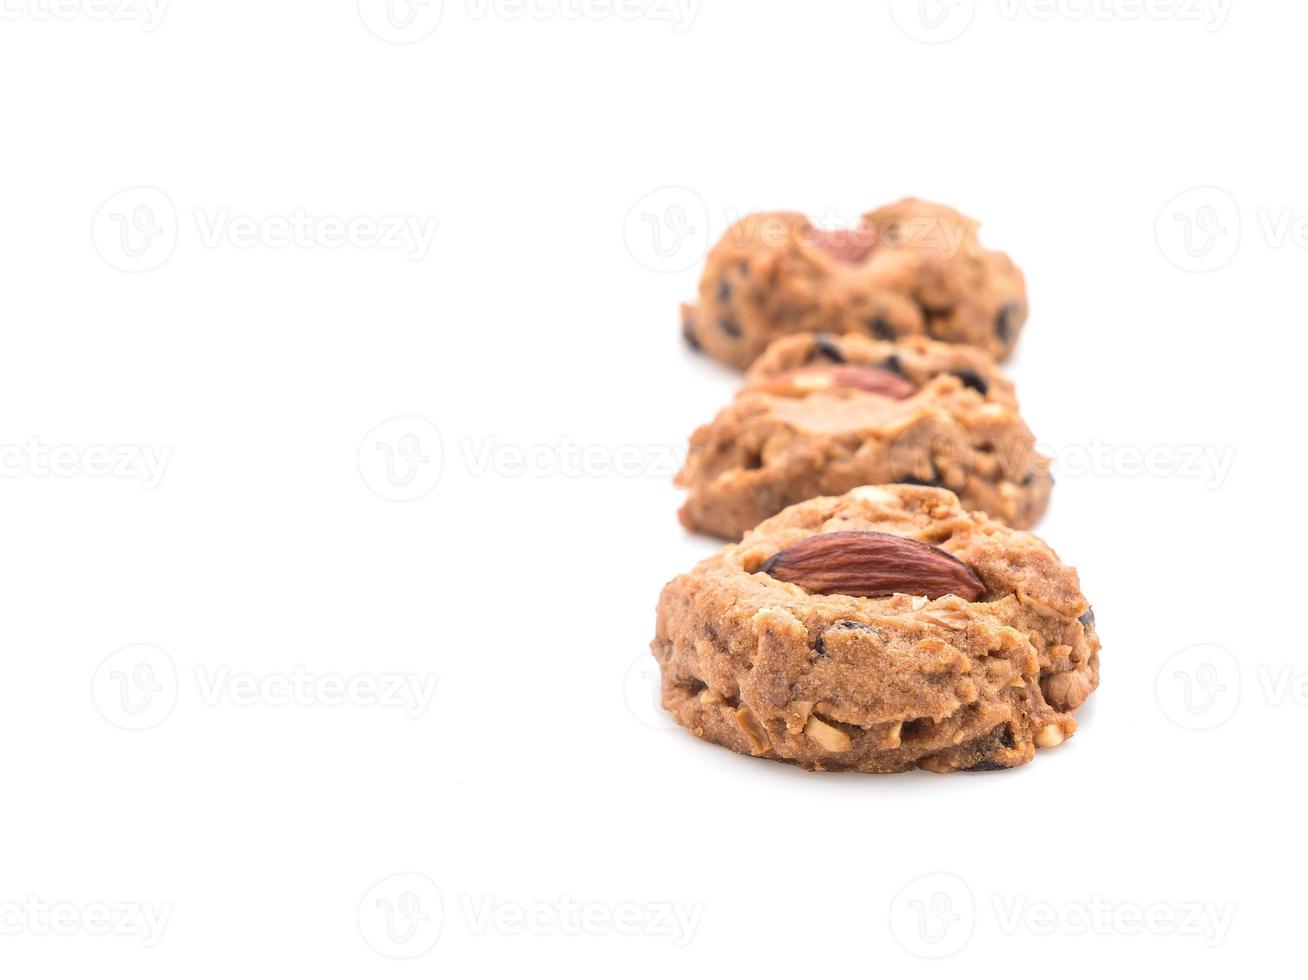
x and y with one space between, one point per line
880 631
822 414
909 268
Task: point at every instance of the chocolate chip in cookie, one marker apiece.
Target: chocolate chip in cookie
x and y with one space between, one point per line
1006 321
881 328
824 345
973 380
688 334
894 365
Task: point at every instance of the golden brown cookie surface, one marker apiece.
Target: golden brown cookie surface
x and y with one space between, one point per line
911 268
920 678
822 414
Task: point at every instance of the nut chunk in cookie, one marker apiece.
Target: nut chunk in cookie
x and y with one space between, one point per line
908 268
823 414
881 631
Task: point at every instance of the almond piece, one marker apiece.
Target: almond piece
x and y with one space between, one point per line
851 245
872 565
753 729
1049 736
894 737
1067 690
831 739
848 377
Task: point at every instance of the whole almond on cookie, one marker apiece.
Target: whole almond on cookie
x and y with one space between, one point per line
848 377
872 564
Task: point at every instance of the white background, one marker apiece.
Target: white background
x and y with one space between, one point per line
541 321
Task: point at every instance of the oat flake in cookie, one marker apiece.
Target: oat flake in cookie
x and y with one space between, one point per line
822 414
908 268
881 631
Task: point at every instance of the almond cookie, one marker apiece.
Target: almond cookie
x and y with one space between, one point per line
908 268
881 631
821 415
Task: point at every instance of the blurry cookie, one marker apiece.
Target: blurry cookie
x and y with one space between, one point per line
909 268
822 414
